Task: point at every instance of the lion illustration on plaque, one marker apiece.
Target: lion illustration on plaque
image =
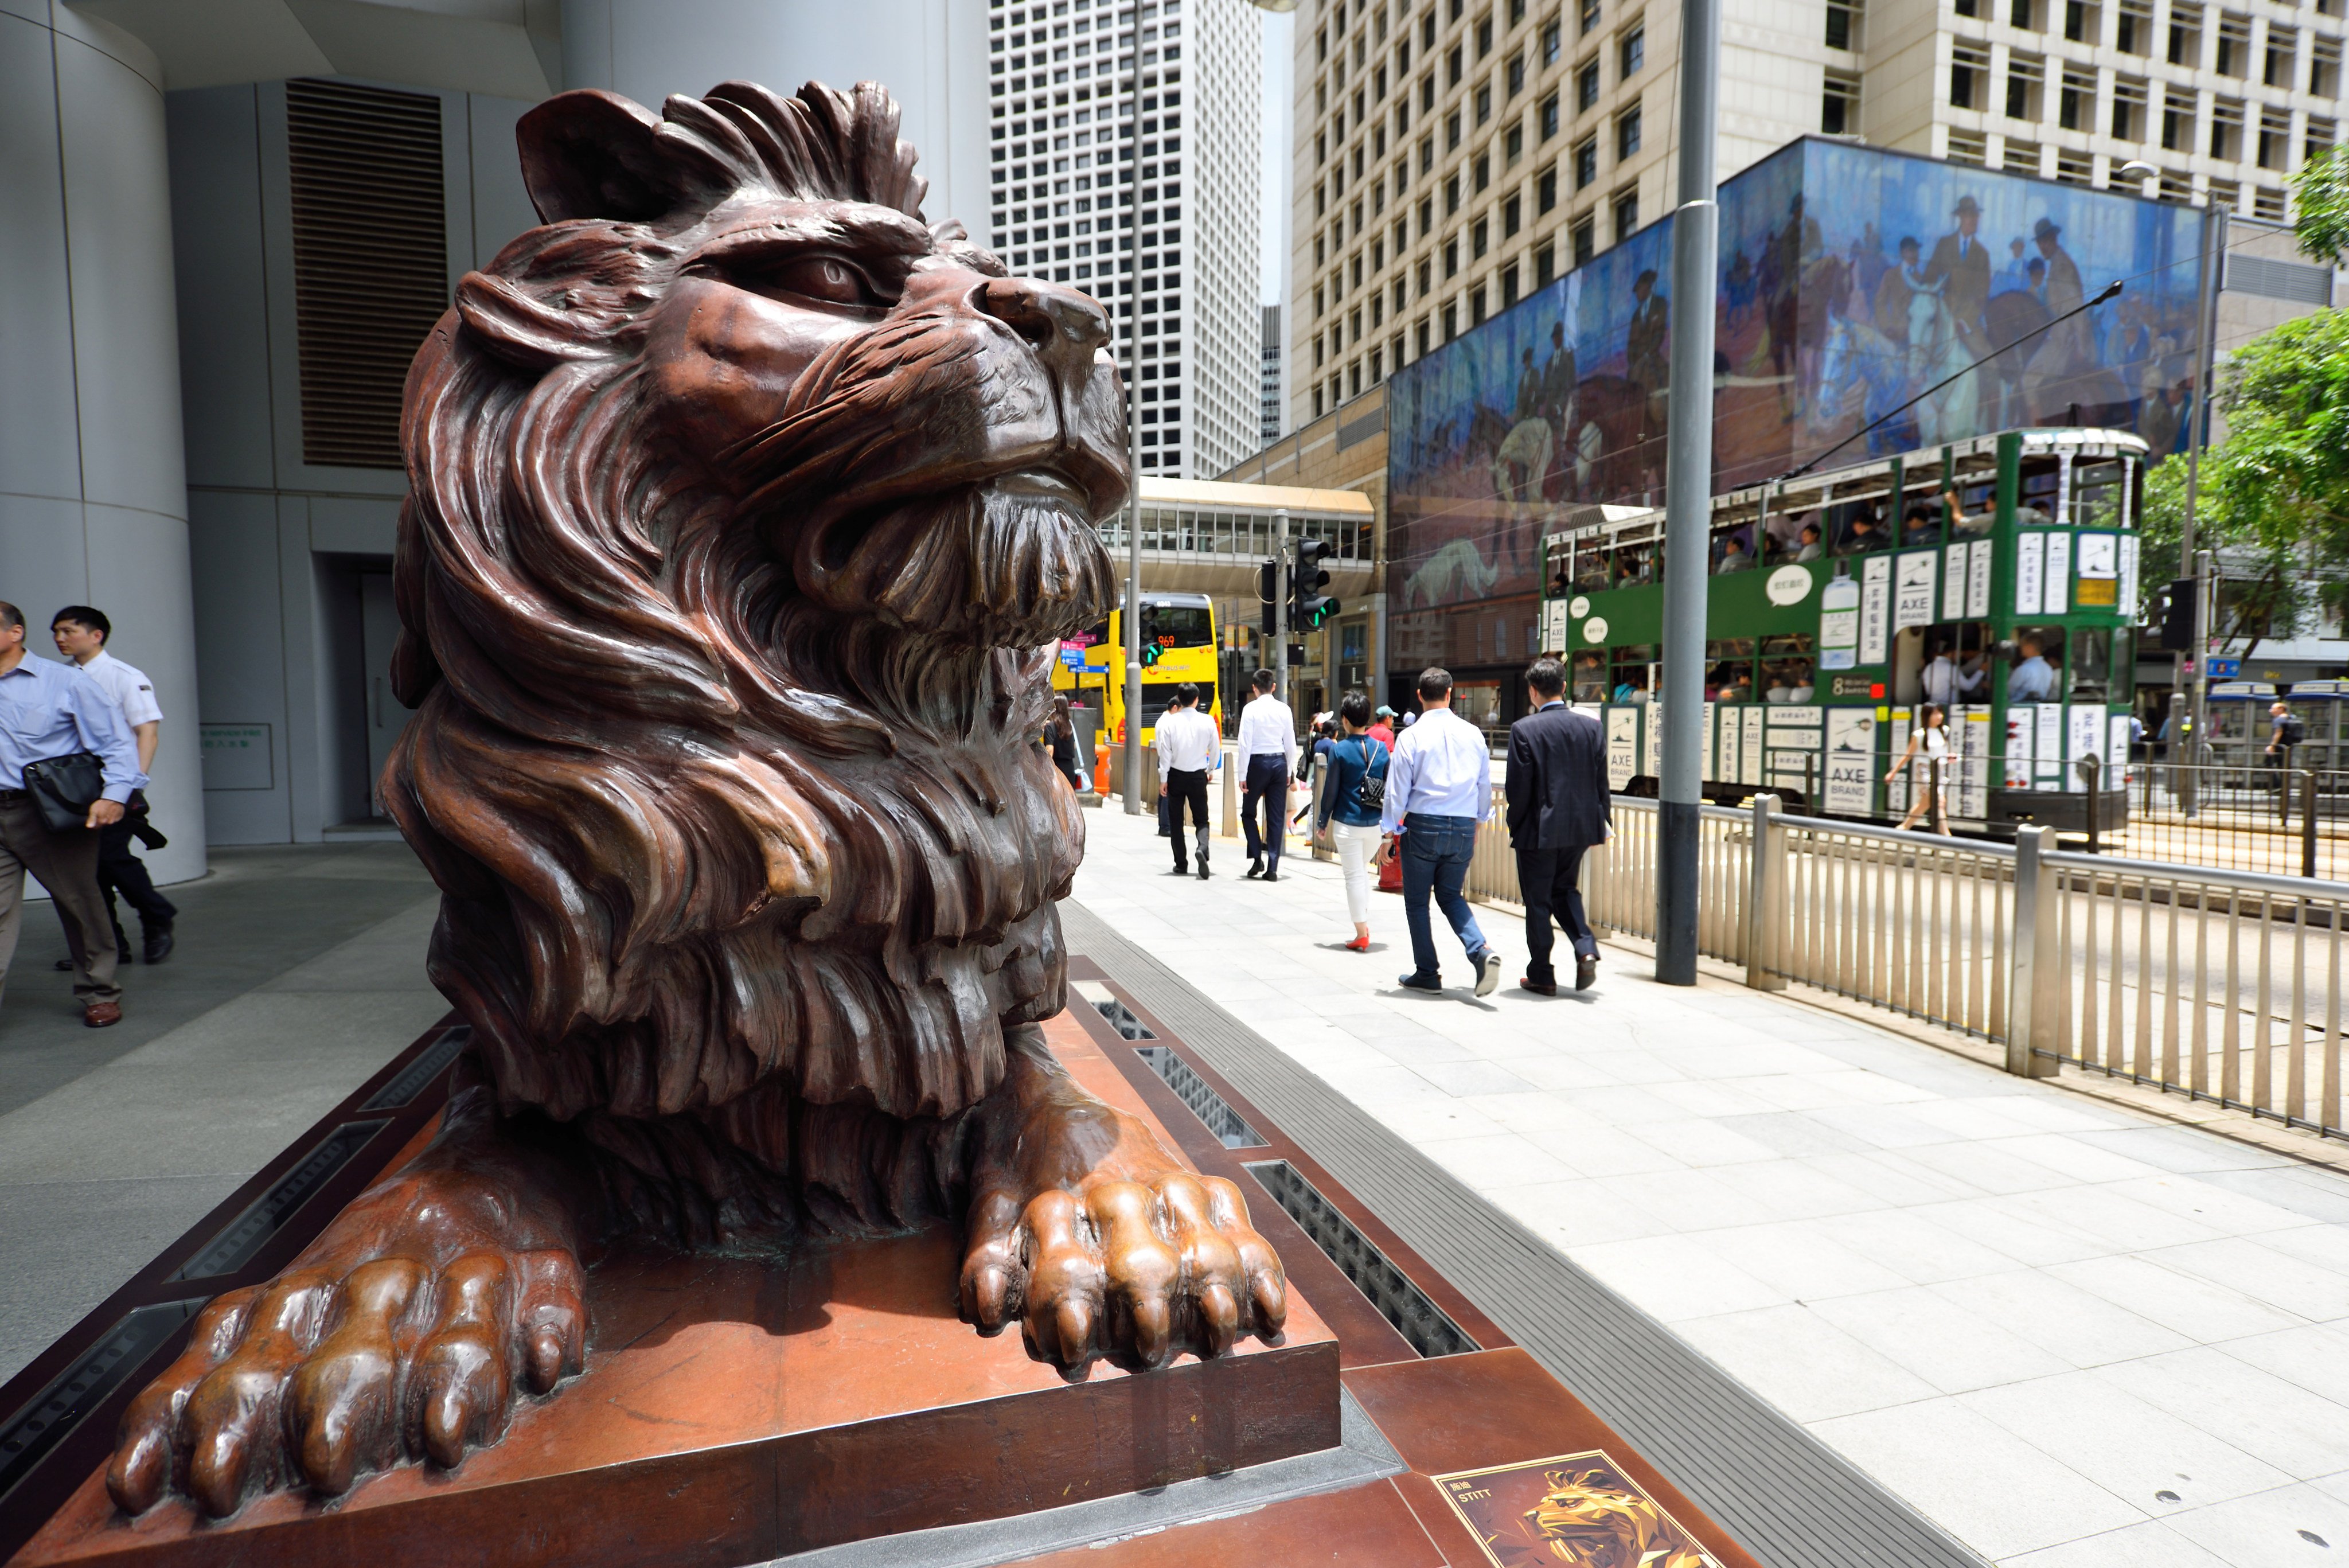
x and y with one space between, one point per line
745 509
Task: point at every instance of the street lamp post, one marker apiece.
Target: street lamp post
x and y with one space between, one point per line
1687 496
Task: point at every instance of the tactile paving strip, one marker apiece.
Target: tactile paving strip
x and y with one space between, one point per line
1781 1492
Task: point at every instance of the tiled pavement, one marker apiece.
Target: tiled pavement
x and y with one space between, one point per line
300 970
2072 1335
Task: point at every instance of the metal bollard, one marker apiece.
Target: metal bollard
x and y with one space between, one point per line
1766 907
2092 769
2308 823
2031 962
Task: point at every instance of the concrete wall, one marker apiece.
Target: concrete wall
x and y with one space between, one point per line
93 496
278 541
930 54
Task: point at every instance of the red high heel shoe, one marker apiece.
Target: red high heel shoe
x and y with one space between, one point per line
1359 945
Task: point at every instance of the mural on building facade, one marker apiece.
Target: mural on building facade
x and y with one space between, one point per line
1850 281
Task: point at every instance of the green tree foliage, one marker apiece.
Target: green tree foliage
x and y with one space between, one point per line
2275 492
2320 192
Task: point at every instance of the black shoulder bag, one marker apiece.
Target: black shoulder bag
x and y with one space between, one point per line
1372 791
63 788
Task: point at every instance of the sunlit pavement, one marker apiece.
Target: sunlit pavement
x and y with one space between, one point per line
2069 1334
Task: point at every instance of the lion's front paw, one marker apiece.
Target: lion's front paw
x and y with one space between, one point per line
1132 1270
320 1377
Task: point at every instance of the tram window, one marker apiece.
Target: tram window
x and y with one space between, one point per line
2037 506
2100 671
1635 564
2097 494
1790 681
1865 529
1974 508
1590 569
1589 677
1789 535
1630 673
1733 550
1729 669
1729 681
1921 523
2038 660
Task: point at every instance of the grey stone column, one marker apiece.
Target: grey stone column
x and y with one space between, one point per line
93 483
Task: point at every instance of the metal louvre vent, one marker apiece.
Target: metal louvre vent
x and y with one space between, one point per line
370 260
2270 279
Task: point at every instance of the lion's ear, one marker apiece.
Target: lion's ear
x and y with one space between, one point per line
590 154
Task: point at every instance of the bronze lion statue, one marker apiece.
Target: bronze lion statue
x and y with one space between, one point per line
745 507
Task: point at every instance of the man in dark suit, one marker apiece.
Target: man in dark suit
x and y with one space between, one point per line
1960 265
1557 798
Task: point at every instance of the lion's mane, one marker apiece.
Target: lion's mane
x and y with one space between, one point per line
726 869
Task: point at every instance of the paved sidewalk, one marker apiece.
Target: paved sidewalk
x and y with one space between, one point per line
2072 1335
300 972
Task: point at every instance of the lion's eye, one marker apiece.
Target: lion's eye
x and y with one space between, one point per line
827 278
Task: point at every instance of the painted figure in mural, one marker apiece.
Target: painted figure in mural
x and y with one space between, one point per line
1890 311
2067 372
1646 347
1782 273
1960 265
1559 384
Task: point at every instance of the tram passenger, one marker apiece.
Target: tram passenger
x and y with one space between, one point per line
1918 528
1866 534
1799 674
2032 680
1980 522
1947 682
1810 550
1734 556
1782 689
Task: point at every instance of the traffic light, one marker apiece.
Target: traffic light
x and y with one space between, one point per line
1268 593
2178 616
1309 607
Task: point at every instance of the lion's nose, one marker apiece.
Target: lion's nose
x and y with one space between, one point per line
1064 326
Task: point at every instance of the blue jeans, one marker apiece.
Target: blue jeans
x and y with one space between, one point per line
1435 851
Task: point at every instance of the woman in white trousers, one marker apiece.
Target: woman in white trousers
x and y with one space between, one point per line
1353 769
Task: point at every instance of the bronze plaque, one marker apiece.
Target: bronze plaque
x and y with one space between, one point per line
1579 1509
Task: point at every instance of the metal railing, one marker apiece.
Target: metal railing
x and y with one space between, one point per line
2220 984
2280 821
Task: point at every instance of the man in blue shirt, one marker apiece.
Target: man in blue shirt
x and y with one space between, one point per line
49 710
1438 788
2032 680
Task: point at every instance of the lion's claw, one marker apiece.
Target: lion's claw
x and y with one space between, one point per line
323 1379
1134 1270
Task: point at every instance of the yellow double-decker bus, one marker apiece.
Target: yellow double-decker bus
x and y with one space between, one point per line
1178 644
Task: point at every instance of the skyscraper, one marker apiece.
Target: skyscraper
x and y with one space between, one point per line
1097 110
1452 155
1268 390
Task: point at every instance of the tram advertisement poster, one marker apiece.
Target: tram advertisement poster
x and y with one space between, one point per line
1851 760
1912 604
1838 623
1875 607
1574 1508
1978 579
1622 745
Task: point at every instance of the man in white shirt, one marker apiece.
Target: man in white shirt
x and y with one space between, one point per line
80 634
1438 788
1189 751
1268 751
1948 684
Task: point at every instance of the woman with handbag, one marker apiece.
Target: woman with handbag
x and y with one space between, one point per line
1354 788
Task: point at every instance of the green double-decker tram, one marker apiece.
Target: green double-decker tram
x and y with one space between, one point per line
1996 577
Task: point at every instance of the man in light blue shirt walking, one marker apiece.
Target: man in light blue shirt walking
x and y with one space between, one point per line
1438 788
49 710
